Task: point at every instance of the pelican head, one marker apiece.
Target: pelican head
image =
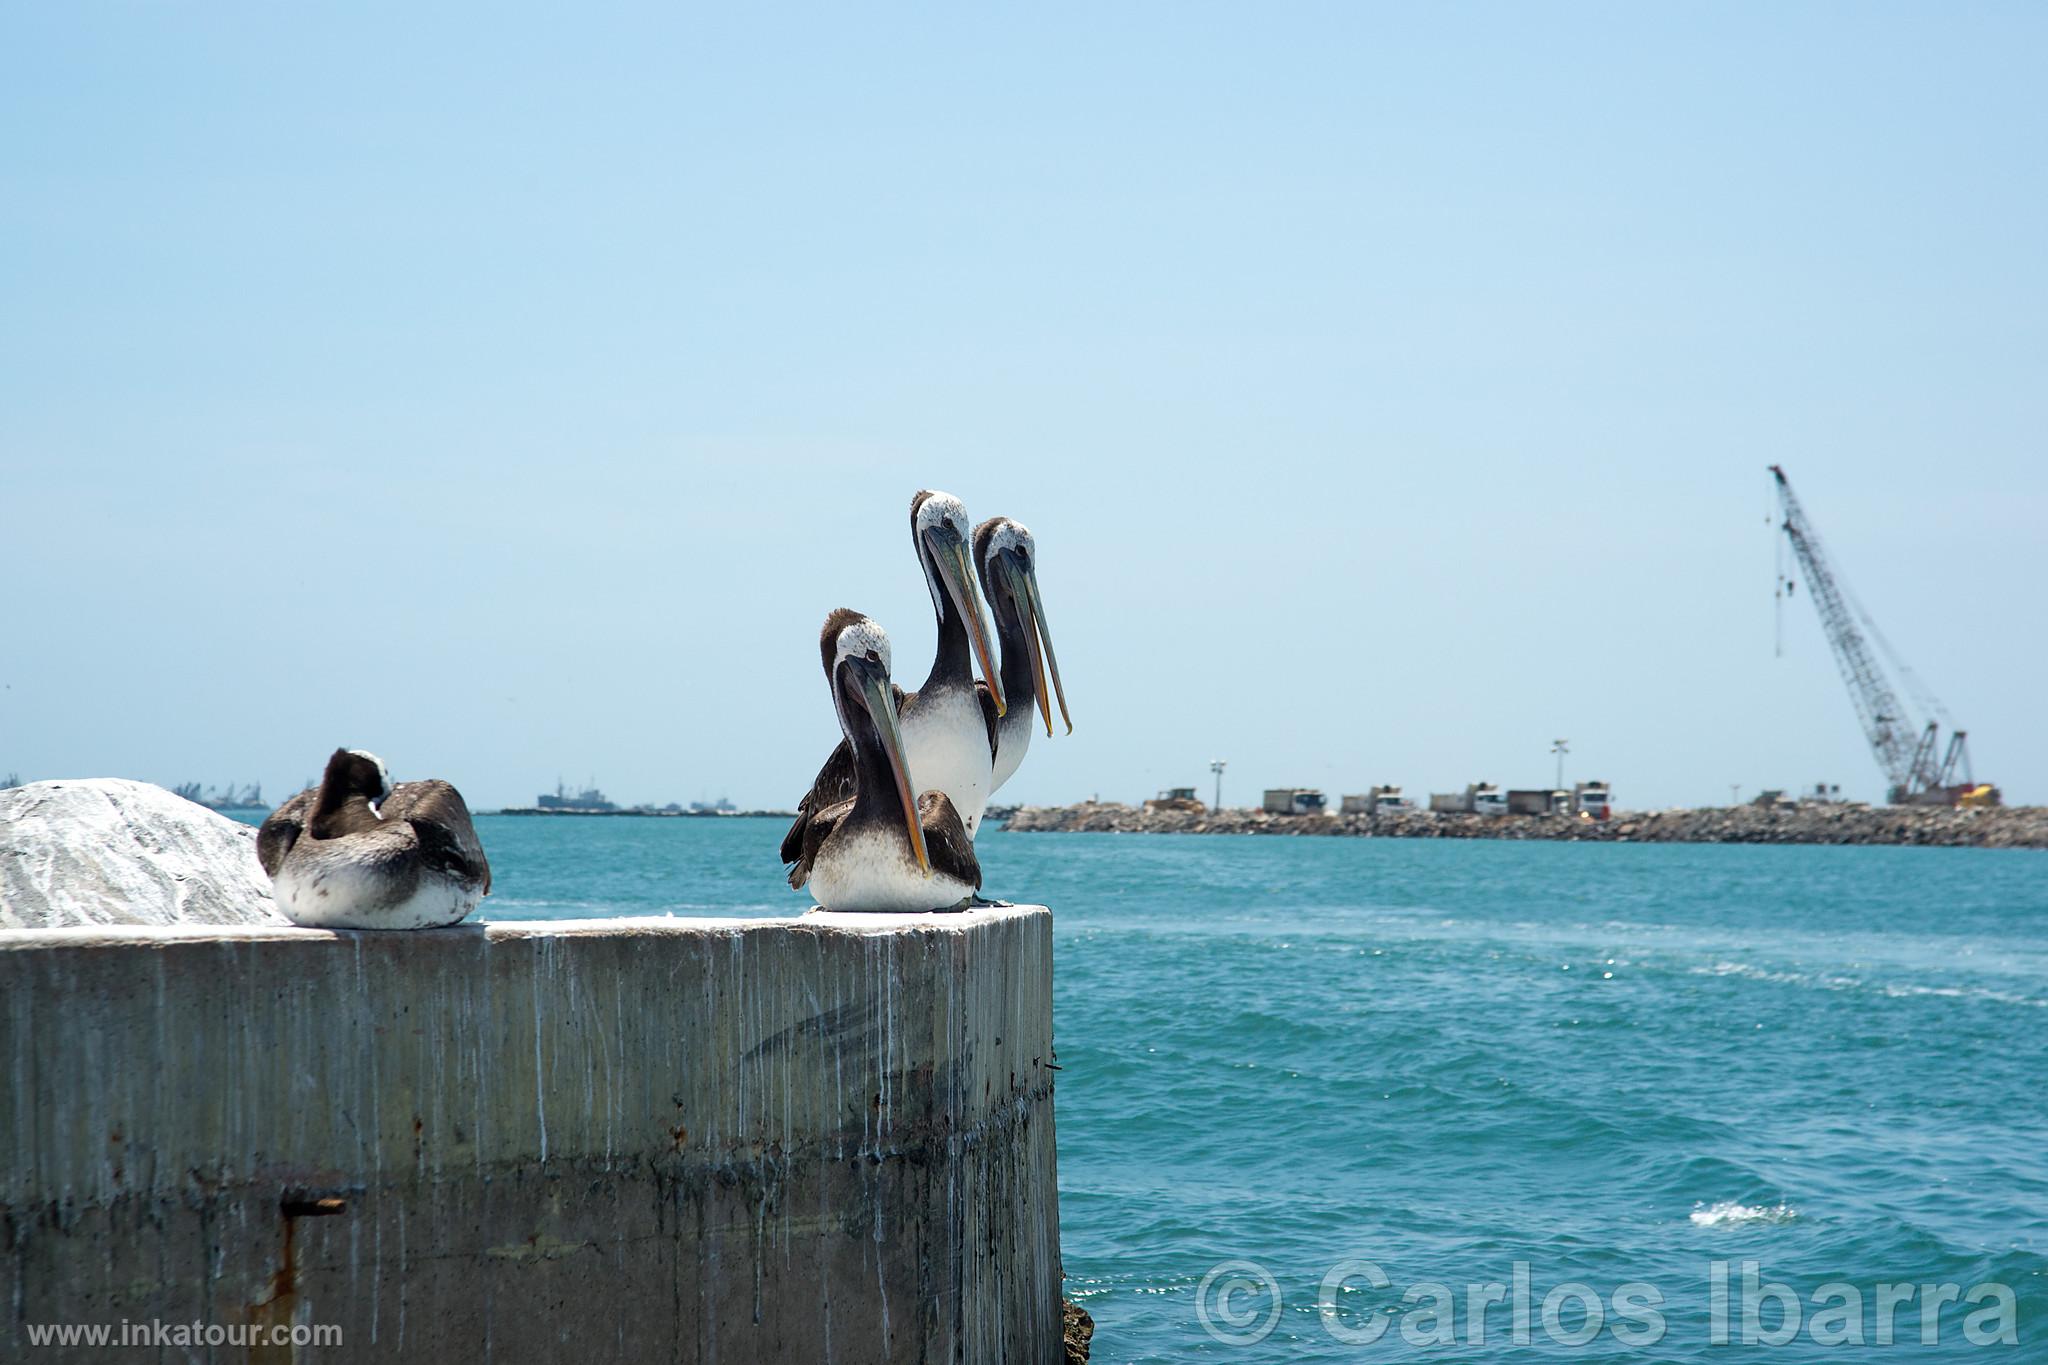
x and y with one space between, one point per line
938 526
1007 559
356 772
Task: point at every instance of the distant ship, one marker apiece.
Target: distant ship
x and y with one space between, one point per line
590 800
225 798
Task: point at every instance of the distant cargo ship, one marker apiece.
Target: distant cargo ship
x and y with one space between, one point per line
589 801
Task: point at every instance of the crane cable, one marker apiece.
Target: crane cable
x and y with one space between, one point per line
1777 584
1926 701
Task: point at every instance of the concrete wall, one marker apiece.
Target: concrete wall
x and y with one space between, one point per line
824 1139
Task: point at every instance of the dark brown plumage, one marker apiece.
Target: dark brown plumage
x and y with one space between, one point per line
341 803
834 782
440 820
945 840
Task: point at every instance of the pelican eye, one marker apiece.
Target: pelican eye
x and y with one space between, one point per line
873 657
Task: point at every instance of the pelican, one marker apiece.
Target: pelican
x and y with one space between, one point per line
1006 559
949 725
356 852
883 848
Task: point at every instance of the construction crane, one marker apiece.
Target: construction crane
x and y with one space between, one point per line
1905 750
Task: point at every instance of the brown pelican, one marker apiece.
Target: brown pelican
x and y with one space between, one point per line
883 848
1005 557
356 852
949 725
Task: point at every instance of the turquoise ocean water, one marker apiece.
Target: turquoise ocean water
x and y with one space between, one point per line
1365 1060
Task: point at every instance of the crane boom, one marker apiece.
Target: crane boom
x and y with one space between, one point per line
1906 752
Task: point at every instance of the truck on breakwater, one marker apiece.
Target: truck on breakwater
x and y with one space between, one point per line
1539 801
1385 799
1835 822
1478 798
1594 800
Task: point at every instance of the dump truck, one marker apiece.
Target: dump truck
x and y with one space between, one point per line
1294 801
1539 801
1479 798
1594 799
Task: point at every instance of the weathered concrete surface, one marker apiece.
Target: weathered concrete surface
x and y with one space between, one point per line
825 1139
105 850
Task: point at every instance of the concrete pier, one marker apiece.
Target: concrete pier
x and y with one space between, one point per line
820 1139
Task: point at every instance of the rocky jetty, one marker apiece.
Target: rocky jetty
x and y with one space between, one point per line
109 851
1814 823
1079 1330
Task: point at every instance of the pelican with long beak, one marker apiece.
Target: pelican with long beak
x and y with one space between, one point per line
949 725
1005 557
883 849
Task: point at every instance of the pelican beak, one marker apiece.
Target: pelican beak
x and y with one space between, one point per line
1035 628
949 552
875 694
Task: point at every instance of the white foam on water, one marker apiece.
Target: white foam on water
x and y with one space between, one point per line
1967 993
1752 973
1729 1213
1892 990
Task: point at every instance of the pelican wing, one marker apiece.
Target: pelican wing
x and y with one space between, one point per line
832 785
440 818
282 828
810 837
946 840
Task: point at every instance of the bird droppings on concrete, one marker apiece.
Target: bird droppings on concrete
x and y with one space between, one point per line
779 1138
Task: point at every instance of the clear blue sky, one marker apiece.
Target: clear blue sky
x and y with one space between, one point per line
513 389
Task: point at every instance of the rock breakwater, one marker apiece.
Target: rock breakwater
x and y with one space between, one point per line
1832 823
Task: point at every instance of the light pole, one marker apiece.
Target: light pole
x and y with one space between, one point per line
1216 766
1560 747
1734 793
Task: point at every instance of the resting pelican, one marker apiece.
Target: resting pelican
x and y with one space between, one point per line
356 852
883 848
